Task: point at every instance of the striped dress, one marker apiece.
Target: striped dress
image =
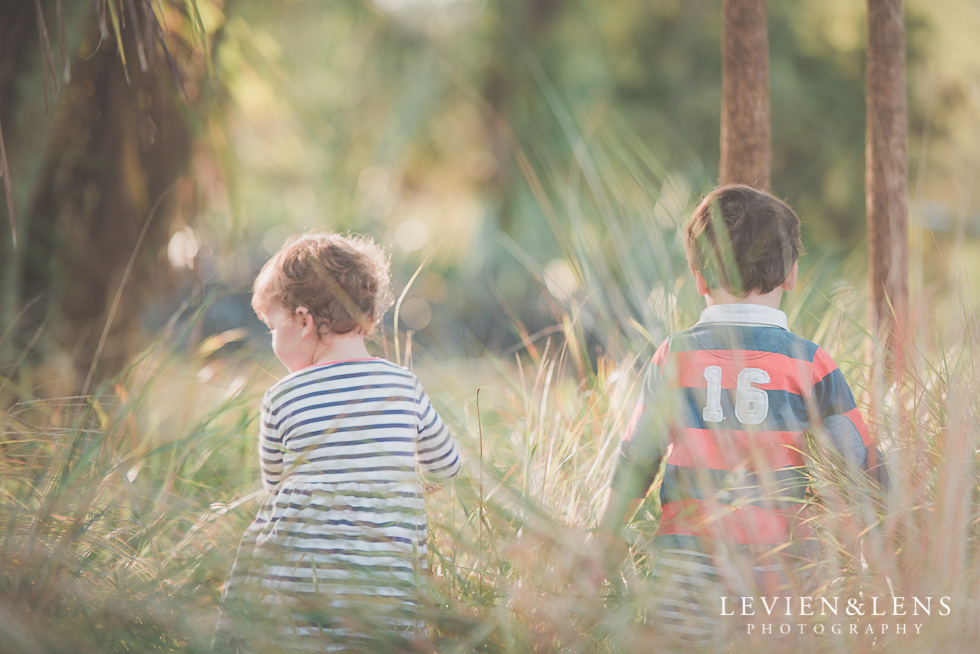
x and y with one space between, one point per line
335 553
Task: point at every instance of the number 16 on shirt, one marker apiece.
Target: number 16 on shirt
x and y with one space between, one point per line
751 403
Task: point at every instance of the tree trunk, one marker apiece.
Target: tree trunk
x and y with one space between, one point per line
89 164
886 171
746 156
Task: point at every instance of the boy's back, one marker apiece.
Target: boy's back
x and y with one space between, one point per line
742 392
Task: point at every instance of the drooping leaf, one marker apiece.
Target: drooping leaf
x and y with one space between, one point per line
47 55
65 63
202 35
140 49
151 17
117 30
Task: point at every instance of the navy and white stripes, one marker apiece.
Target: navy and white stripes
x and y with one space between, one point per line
342 447
353 421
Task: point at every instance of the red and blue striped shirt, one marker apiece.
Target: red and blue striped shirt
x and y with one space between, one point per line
728 404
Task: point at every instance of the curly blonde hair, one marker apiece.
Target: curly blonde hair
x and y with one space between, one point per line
343 281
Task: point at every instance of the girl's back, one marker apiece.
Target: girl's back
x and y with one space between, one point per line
340 542
351 421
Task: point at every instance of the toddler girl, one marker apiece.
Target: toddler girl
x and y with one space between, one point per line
335 554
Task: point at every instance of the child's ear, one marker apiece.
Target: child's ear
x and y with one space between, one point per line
701 283
306 322
790 282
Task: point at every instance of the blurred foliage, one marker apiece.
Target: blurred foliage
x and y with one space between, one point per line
483 128
504 137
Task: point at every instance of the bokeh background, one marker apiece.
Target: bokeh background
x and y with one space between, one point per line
521 149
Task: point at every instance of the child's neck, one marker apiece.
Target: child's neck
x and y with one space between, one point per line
340 347
721 296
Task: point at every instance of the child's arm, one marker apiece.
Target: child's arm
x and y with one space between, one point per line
640 455
270 447
840 418
436 451
634 473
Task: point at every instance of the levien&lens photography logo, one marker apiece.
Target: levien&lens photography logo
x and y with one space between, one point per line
834 615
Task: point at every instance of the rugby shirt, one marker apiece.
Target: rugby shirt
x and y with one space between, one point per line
342 448
728 404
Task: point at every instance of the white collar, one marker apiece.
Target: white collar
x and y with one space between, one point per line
745 313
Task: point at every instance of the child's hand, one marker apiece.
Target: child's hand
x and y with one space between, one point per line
589 576
606 553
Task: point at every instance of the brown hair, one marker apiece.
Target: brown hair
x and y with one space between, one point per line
743 239
344 281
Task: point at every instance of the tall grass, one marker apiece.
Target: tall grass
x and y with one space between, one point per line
121 510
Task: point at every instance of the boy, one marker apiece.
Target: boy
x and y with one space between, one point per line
728 403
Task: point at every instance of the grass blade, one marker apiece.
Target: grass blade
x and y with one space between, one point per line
8 188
